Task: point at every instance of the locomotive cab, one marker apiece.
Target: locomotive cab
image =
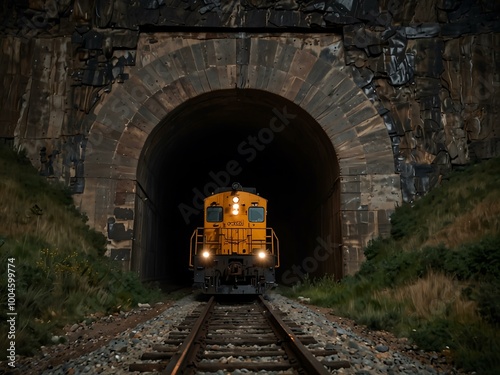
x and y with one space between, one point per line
234 252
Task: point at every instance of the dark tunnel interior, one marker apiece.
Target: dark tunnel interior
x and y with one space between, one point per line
249 136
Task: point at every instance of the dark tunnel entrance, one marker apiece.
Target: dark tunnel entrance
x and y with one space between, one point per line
253 137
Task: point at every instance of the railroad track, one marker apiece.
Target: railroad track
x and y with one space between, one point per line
251 336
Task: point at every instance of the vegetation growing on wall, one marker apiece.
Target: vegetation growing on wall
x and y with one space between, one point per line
61 273
436 280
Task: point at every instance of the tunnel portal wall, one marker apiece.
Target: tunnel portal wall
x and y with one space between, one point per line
308 71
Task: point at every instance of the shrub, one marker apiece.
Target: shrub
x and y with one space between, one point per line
476 348
433 335
488 300
471 261
403 222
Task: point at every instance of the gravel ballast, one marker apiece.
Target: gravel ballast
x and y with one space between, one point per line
375 354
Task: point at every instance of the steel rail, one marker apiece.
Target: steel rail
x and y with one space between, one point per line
307 360
188 350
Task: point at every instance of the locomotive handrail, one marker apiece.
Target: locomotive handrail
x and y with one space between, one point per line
193 250
277 247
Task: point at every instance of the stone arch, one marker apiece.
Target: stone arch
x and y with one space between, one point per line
174 71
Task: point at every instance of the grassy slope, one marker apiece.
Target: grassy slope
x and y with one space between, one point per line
437 279
61 273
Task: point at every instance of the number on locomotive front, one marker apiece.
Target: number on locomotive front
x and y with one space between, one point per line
234 252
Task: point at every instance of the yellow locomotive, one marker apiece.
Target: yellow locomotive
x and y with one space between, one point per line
234 252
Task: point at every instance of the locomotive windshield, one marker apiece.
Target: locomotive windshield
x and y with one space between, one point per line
256 214
214 214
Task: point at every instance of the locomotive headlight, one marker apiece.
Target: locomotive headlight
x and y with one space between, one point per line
262 254
236 199
236 208
206 254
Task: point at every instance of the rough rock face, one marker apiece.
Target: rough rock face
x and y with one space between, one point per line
430 66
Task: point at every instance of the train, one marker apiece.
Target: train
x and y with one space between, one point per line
234 252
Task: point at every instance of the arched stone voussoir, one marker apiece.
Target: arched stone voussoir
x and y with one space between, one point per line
302 64
118 108
345 141
142 123
266 52
332 83
95 169
142 85
157 108
317 102
333 92
274 80
228 76
124 168
333 120
221 77
199 81
179 91
160 44
372 124
157 71
350 150
134 92
224 52
257 77
133 139
358 107
294 89
102 129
